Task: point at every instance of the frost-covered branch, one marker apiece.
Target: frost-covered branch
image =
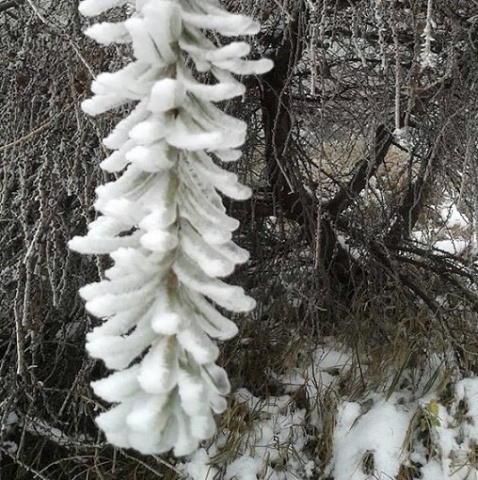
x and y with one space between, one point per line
10 4
164 223
427 57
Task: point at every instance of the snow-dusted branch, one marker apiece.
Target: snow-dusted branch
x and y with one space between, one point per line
164 223
427 57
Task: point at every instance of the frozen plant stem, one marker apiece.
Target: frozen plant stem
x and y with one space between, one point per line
163 221
427 57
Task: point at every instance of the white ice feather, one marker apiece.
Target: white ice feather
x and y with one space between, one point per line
210 260
191 391
213 233
101 245
200 116
187 135
199 187
224 181
165 317
133 185
229 52
120 134
224 24
186 443
216 377
106 226
125 283
228 155
144 47
135 261
119 352
246 67
152 158
133 82
202 426
119 386
227 296
122 323
163 21
151 130
205 203
107 33
198 344
159 368
118 160
113 422
147 414
101 104
161 217
164 440
207 317
110 304
211 93
166 94
124 211
159 240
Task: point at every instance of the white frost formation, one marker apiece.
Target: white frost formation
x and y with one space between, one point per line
163 221
428 59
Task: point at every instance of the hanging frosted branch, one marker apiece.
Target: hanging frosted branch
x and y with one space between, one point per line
164 224
427 57
380 11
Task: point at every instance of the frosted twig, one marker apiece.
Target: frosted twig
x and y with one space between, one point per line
33 133
396 43
27 467
19 330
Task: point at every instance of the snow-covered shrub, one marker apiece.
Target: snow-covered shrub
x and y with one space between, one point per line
163 221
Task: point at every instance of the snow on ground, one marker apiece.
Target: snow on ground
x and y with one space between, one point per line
451 216
369 443
452 235
380 436
273 447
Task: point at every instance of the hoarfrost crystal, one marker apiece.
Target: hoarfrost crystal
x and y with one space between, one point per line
163 221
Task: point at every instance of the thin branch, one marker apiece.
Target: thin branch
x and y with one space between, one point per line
366 169
29 136
10 4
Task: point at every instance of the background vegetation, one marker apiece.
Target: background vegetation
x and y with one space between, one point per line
362 228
